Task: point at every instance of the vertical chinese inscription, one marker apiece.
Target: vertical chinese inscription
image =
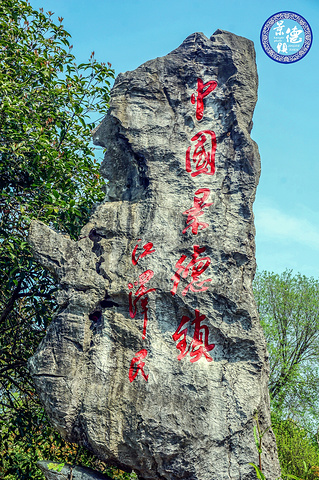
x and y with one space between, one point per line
139 301
199 160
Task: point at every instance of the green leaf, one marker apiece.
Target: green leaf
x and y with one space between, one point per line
291 476
265 431
256 438
56 466
56 194
259 473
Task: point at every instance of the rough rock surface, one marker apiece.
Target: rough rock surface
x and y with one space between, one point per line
78 473
173 244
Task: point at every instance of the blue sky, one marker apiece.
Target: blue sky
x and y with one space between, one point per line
286 125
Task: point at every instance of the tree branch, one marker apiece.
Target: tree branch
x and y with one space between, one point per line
10 304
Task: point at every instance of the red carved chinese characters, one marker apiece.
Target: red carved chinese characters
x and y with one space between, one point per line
203 89
197 210
199 159
195 267
139 365
139 294
202 158
147 251
199 345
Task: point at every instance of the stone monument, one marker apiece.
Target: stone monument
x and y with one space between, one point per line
156 360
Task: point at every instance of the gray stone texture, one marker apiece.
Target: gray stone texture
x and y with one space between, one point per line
76 473
187 418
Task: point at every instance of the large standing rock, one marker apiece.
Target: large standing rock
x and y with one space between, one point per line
156 360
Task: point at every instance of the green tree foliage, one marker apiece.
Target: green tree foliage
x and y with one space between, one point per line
298 453
288 306
47 171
